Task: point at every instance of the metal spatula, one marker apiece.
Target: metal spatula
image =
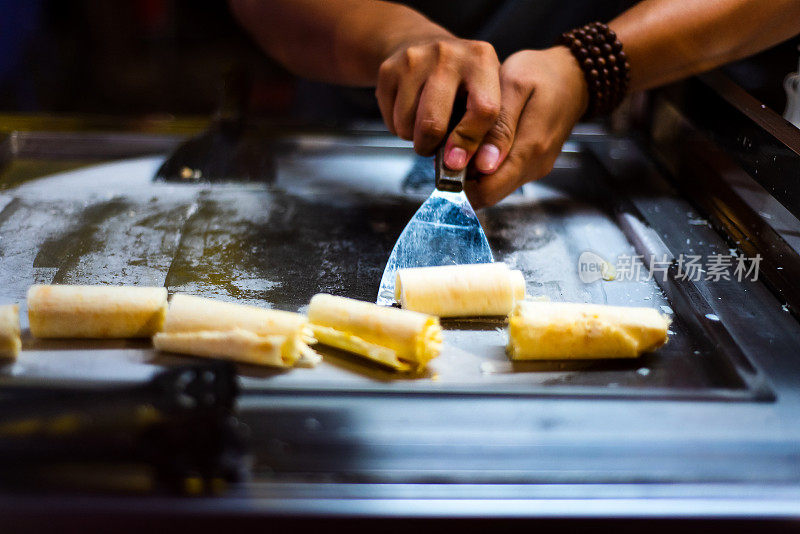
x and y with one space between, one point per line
443 231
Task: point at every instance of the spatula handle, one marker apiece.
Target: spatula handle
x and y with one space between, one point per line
447 179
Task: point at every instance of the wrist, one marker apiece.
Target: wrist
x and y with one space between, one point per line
370 32
573 77
404 27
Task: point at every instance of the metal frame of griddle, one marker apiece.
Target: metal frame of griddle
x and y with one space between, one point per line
702 298
750 501
757 478
736 159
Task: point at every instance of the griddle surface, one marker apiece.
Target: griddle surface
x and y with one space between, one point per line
326 224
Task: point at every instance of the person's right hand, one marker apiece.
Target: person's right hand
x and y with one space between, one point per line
544 95
418 83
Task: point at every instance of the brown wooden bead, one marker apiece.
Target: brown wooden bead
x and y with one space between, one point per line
605 66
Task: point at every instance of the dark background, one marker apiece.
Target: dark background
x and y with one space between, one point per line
128 57
140 57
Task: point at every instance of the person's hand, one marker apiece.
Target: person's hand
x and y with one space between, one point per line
418 83
544 95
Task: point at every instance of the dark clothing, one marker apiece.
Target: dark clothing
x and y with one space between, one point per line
509 25
513 25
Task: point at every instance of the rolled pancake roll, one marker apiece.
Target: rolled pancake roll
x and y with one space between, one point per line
10 343
238 345
565 330
63 311
205 327
484 289
400 339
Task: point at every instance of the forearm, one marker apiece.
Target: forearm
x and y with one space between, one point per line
338 41
670 39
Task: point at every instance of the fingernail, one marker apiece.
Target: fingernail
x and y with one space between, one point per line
456 158
487 157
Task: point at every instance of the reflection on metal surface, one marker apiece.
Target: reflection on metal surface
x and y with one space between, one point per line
444 231
225 152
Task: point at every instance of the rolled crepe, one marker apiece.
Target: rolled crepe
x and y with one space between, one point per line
460 290
96 311
238 345
400 339
205 327
563 330
10 343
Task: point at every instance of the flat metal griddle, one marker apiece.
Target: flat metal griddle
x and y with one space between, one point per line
326 222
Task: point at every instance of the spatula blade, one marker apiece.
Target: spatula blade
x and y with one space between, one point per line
443 231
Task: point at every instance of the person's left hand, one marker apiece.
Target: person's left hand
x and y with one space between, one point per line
543 95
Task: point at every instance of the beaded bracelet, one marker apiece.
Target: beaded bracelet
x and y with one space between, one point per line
605 65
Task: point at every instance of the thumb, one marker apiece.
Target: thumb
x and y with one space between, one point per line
497 142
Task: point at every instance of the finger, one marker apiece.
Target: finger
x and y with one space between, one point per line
527 160
489 189
385 93
406 102
483 107
433 111
498 141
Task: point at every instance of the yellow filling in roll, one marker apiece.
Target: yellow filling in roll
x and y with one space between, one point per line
400 339
10 343
561 330
205 327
